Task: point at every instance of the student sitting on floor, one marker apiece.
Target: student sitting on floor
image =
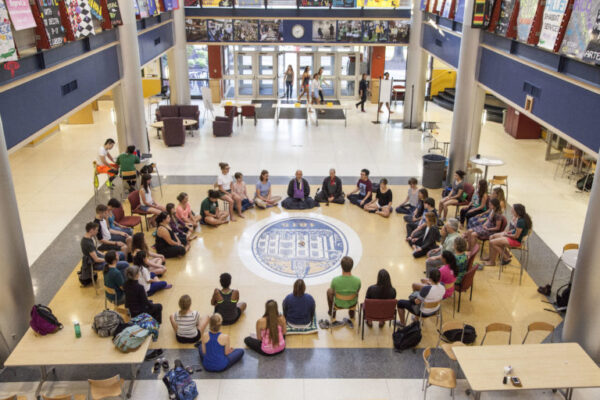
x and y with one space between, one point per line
416 215
262 196
136 299
331 190
382 203
110 240
167 243
449 234
270 332
148 279
216 352
361 195
184 211
227 301
187 323
345 284
184 232
518 229
298 306
415 304
486 226
113 278
147 203
126 162
154 261
91 255
412 198
298 194
478 203
209 210
239 187
415 229
428 240
112 224
382 290
448 274
456 195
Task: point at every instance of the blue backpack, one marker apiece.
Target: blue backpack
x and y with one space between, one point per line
147 322
179 383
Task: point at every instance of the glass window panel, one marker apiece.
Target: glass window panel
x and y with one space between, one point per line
348 64
245 87
328 88
228 68
265 87
395 61
327 63
229 88
347 88
265 62
244 64
306 61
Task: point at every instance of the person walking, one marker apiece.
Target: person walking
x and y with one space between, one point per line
362 91
289 82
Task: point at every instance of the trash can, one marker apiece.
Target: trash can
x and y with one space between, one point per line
434 167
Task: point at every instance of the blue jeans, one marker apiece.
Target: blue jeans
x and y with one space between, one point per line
155 286
128 231
405 209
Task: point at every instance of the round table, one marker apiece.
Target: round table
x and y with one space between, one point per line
486 162
158 125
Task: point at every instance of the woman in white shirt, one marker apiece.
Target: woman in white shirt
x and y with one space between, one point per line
148 279
224 181
147 203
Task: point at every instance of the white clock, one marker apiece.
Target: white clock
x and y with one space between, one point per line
298 31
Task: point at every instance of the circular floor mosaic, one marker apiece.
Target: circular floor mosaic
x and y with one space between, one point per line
285 247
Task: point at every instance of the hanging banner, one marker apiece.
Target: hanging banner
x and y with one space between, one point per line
50 14
152 8
506 10
245 30
143 5
399 31
195 30
592 52
579 30
249 3
349 31
80 16
7 44
20 14
527 10
323 31
190 3
114 12
136 8
96 9
271 30
554 13
220 30
378 3
459 14
375 31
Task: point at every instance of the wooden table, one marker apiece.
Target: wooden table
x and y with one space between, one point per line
330 107
63 348
159 125
538 366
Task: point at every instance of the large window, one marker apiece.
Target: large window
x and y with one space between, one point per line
197 56
395 62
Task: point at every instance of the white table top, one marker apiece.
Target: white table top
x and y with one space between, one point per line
161 124
569 257
538 366
441 135
288 105
486 161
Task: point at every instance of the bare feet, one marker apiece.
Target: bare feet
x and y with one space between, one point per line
240 215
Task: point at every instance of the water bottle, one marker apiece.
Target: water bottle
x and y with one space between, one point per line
77 329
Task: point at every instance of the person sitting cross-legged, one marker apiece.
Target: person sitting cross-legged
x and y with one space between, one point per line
270 332
187 323
227 301
263 197
415 304
361 195
299 194
209 210
136 299
382 203
331 190
415 229
345 284
216 352
417 213
412 198
298 306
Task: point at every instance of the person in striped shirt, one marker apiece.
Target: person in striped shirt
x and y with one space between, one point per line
188 324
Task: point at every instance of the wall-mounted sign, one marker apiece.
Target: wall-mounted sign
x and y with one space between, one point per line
80 16
7 44
554 13
50 14
20 14
114 12
245 30
580 28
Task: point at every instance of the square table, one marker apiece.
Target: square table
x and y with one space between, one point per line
63 348
538 366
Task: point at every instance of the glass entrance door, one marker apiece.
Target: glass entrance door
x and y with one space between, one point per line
267 75
245 75
304 60
327 62
347 74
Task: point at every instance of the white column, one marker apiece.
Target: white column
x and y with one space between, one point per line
582 322
129 98
16 289
465 110
179 81
477 120
416 67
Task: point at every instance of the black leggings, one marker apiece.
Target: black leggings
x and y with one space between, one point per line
183 339
256 345
155 312
172 251
362 102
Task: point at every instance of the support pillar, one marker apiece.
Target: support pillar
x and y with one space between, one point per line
179 81
465 111
128 96
477 119
582 322
416 67
16 289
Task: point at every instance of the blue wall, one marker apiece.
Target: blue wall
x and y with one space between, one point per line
27 108
446 46
154 42
570 108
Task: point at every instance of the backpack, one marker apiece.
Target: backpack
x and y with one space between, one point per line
43 321
86 271
407 337
130 338
146 321
106 323
454 335
120 328
587 180
179 383
562 295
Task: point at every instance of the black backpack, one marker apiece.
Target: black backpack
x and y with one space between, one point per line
562 295
587 180
407 337
454 335
86 271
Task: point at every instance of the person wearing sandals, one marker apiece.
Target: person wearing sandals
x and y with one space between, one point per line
226 301
271 329
382 290
519 228
154 261
263 197
298 306
216 352
224 181
147 203
167 242
188 324
148 279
